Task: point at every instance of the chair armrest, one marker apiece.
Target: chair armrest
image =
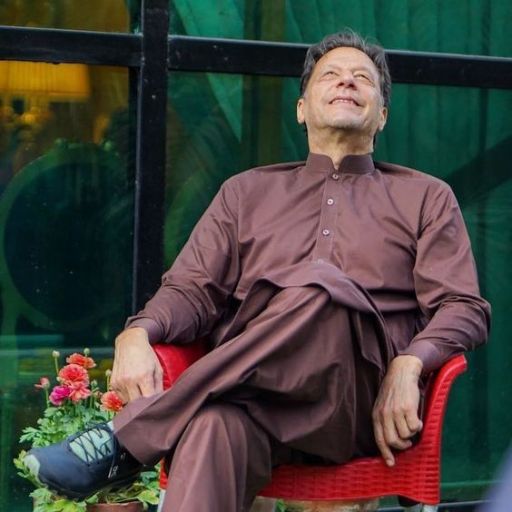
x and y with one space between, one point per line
437 397
175 359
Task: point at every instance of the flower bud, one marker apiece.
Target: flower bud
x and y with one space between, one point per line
55 354
44 383
108 373
86 351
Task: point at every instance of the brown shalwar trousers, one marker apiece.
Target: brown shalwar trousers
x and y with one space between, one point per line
290 386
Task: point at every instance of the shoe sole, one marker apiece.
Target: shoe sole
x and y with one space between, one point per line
112 485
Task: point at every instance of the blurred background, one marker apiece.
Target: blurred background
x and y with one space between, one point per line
71 240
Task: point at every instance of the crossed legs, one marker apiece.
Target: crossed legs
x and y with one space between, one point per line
221 461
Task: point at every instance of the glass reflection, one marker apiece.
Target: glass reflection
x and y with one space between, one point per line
66 215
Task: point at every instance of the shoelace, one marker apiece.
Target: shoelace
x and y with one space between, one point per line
92 451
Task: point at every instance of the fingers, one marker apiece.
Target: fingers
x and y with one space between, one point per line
395 414
392 436
414 424
152 381
146 385
387 437
158 379
132 386
393 426
136 372
407 424
126 388
384 448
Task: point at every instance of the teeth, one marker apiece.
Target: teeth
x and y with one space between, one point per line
341 100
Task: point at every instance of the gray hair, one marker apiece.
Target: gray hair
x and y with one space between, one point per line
348 38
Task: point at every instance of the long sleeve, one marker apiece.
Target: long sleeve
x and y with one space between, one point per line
446 285
195 290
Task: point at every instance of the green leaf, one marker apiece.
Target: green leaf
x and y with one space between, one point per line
280 506
149 497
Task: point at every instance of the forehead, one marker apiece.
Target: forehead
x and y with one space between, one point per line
346 57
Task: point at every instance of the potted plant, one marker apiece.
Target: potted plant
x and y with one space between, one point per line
74 403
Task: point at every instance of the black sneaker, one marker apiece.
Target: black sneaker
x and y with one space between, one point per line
98 468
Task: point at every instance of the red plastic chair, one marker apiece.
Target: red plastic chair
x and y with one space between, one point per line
414 478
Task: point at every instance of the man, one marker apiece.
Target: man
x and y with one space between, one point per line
326 289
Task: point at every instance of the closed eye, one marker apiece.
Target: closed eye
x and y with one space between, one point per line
362 75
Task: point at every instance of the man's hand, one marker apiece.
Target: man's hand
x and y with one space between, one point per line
395 413
137 371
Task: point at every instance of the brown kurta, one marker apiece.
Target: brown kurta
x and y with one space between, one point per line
380 238
307 280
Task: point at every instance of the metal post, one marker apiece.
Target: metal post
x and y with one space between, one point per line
150 152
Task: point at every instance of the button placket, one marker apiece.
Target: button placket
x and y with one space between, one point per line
327 221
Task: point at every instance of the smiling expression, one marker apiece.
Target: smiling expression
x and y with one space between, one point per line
343 93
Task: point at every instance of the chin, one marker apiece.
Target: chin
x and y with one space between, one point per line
347 124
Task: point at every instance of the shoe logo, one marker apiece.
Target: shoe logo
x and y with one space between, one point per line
113 471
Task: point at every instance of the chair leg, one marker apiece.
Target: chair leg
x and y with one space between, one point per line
161 501
420 507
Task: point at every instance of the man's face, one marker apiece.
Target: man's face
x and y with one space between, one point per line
343 93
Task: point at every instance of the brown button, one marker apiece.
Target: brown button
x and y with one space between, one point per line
326 232
335 176
330 201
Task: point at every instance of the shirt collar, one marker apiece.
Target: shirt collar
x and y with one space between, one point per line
351 164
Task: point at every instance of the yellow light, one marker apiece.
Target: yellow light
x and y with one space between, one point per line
55 82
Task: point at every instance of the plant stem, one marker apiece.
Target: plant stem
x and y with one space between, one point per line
55 360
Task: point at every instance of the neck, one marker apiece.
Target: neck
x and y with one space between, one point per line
337 148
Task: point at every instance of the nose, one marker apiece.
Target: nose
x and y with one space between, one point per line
346 78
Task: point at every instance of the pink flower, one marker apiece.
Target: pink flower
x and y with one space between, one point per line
80 360
78 392
72 374
110 401
59 395
44 383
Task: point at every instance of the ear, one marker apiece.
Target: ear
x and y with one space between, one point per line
383 118
300 110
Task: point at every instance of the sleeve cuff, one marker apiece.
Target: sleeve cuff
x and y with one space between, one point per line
426 352
154 331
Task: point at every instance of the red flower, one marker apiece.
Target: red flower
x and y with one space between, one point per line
72 374
44 383
79 391
59 395
81 360
110 401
